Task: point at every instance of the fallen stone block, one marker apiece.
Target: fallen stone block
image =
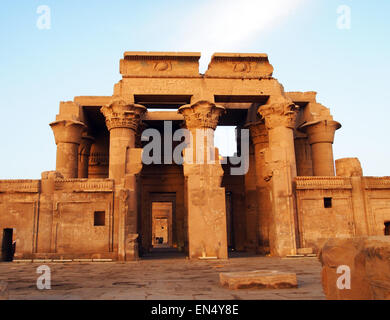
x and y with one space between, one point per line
356 268
260 279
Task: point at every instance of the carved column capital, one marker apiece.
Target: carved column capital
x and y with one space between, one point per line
258 132
279 114
67 131
320 131
121 114
201 115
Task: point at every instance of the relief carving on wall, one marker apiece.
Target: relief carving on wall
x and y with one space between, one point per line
162 66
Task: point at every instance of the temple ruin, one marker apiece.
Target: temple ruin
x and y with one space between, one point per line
104 202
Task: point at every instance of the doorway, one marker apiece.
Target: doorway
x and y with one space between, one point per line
7 248
387 228
229 221
162 224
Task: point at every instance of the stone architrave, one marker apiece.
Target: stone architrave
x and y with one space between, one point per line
205 198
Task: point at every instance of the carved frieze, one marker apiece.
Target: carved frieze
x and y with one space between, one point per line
376 182
323 183
28 186
84 185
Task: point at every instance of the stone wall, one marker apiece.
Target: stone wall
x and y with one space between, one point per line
56 217
342 206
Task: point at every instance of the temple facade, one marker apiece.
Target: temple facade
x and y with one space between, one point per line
107 200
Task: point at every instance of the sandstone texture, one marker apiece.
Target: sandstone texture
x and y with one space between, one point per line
279 195
260 279
368 259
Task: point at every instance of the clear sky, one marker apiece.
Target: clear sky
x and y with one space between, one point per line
80 53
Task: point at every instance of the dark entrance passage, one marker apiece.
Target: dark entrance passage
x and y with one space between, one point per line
387 228
7 249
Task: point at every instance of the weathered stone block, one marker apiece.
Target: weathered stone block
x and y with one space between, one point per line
261 279
368 261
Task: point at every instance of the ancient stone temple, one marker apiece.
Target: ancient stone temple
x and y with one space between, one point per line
118 193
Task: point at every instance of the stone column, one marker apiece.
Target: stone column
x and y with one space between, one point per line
259 136
205 199
280 170
321 136
84 153
125 162
67 135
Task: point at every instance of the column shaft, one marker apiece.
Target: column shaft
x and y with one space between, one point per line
322 155
205 199
321 136
66 161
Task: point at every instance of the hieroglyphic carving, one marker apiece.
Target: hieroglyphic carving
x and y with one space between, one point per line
84 185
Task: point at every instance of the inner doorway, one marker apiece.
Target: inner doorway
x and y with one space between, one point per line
162 224
387 228
7 249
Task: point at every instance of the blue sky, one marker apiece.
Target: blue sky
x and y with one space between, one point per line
79 55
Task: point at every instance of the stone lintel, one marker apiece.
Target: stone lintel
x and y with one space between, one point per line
302 97
160 64
162 115
69 110
239 65
99 101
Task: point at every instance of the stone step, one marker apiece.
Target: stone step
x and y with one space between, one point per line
305 250
260 279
